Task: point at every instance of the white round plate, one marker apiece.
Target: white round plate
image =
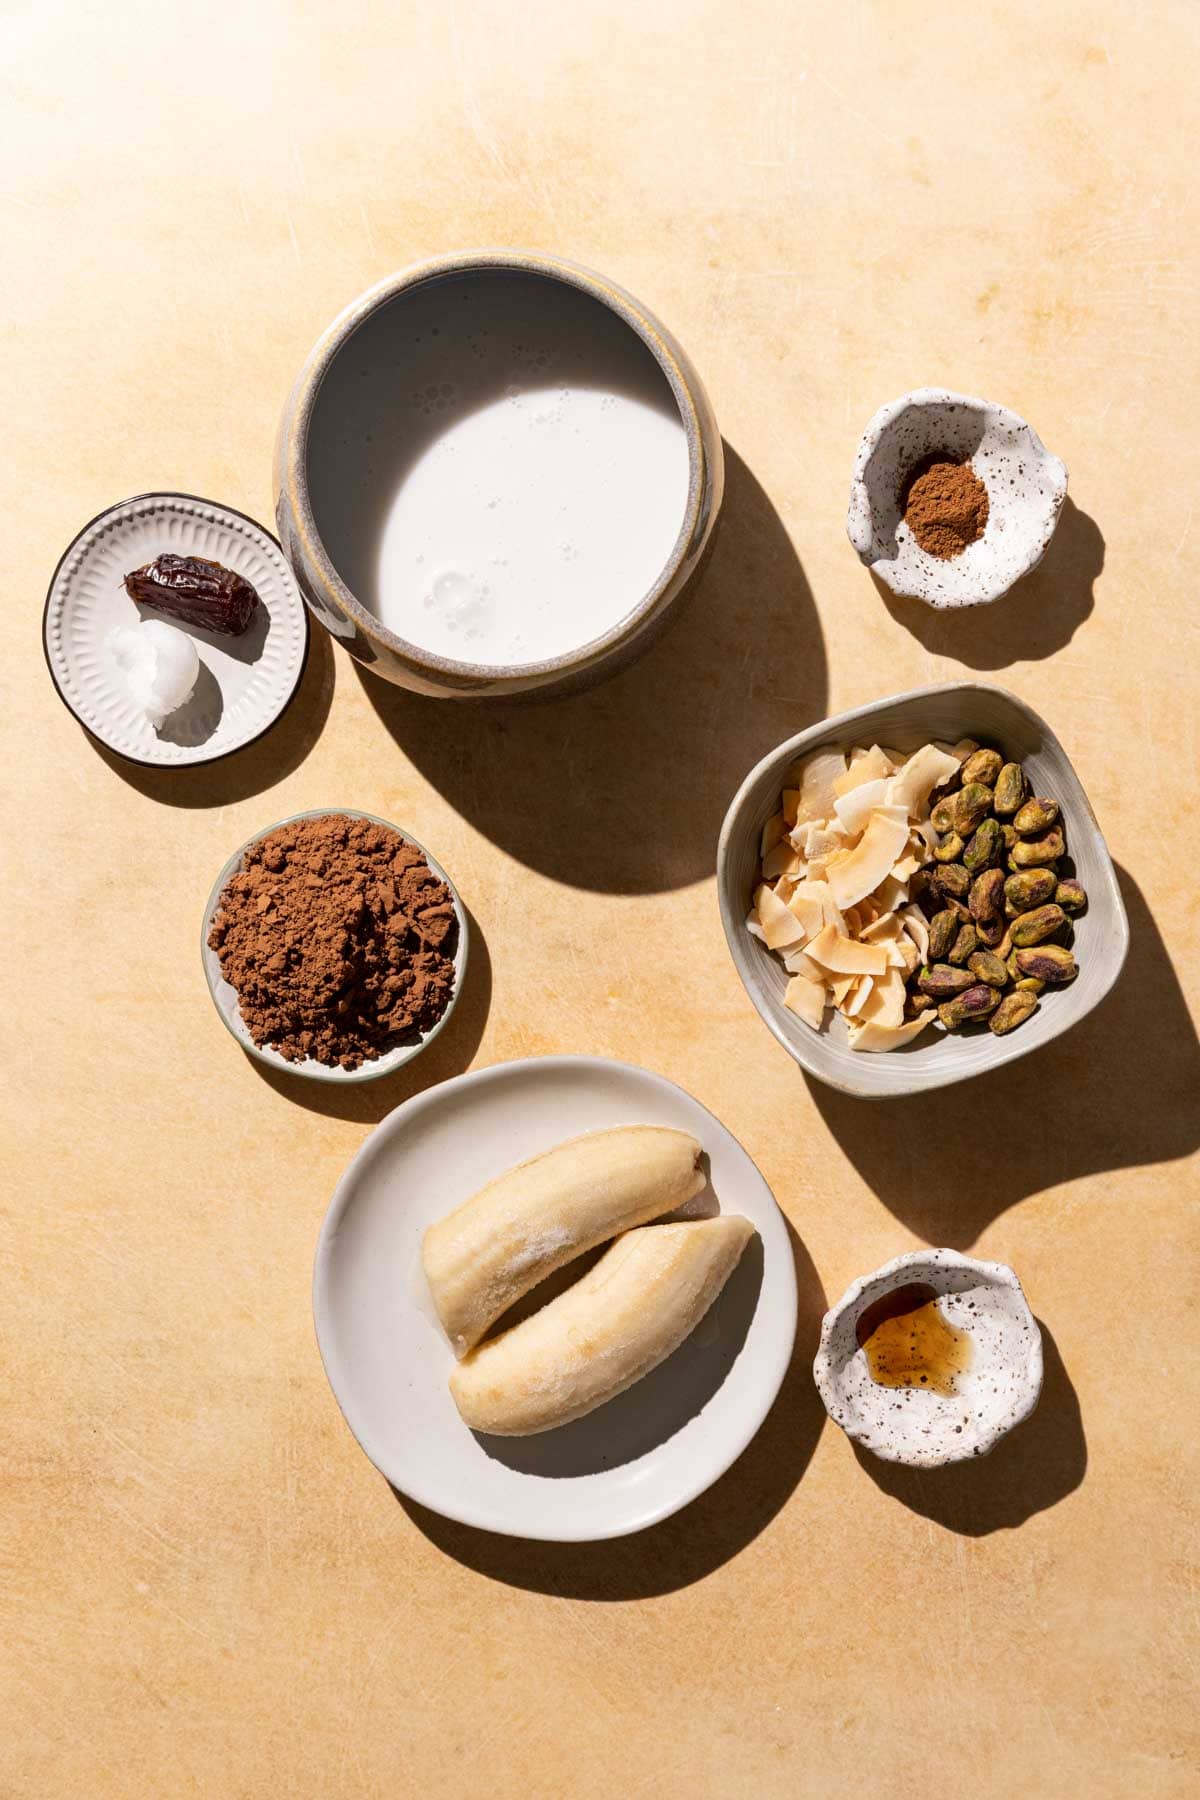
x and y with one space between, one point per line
225 997
628 1464
245 682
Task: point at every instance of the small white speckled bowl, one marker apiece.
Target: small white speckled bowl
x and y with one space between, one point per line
913 1425
1026 487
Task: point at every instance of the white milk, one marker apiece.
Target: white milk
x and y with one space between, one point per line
500 471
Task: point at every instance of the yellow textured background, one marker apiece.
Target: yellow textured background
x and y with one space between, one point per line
205 1588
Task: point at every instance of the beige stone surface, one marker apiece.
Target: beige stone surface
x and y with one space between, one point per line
205 1588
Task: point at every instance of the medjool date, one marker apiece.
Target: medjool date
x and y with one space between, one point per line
195 591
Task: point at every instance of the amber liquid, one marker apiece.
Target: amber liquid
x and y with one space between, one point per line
909 1344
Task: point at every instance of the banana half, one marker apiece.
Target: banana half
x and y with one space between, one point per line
480 1259
619 1321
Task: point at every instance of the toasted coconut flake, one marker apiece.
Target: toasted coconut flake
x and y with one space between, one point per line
880 1037
791 806
840 987
799 962
885 1003
843 956
925 769
782 860
781 927
809 909
824 840
917 927
806 999
754 928
891 895
855 808
858 996
965 747
817 777
869 765
772 831
851 877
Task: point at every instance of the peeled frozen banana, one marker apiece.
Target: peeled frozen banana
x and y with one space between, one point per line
619 1321
480 1259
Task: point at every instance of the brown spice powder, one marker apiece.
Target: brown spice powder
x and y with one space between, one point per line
339 939
945 506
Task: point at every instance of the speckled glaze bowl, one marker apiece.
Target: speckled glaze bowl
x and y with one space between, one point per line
344 613
913 1425
1026 487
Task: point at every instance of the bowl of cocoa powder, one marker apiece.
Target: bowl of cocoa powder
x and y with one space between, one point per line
953 499
334 946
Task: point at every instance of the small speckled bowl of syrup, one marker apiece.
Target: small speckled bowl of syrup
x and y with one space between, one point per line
930 1360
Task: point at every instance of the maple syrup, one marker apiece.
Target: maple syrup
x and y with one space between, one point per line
908 1343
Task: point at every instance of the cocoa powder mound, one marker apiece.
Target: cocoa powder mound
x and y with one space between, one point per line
339 940
945 506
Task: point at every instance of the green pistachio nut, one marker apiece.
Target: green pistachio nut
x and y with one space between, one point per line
972 1003
1035 817
1011 837
1027 889
1029 984
971 807
1011 789
943 929
953 879
1004 947
941 981
1070 895
983 767
1034 927
992 932
985 848
950 849
942 816
987 967
1031 852
964 945
1048 962
987 896
1012 1011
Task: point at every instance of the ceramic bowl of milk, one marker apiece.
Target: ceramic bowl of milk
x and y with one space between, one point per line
496 473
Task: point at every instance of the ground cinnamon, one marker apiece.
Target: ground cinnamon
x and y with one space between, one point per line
339 939
945 506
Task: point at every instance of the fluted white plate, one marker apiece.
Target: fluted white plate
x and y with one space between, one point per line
244 683
622 1467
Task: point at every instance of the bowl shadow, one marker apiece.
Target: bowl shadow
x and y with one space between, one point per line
622 788
1031 1469
1117 1091
450 1053
260 765
692 1543
1038 617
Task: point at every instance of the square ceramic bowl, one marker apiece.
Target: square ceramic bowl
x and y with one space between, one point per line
936 1058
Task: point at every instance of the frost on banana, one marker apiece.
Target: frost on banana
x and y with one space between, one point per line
485 1255
619 1321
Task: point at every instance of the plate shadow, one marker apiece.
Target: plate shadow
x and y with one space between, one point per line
1039 617
450 1053
693 1543
622 788
262 764
1033 1468
1117 1091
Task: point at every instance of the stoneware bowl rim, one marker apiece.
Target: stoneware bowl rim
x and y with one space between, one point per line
839 727
334 340
377 1067
892 1275
860 511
